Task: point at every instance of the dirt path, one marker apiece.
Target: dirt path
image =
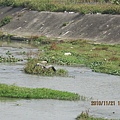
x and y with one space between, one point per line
96 27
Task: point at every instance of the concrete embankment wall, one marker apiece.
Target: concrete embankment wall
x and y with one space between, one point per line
96 27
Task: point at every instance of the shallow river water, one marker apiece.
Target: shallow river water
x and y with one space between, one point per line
94 86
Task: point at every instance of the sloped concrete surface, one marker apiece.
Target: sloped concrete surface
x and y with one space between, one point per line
96 27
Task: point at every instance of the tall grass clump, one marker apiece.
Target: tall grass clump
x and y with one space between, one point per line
39 70
12 91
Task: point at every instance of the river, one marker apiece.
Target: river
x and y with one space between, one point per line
94 86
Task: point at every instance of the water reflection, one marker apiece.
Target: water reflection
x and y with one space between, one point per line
5 99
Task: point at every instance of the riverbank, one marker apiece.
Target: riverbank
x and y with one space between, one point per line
98 28
61 25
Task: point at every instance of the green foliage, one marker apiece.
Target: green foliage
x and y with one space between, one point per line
13 91
40 40
61 59
111 11
29 68
65 24
99 57
5 21
85 116
101 6
10 58
117 2
7 2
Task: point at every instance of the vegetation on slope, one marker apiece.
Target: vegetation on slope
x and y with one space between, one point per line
5 21
82 6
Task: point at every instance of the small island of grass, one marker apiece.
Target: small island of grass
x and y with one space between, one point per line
31 68
12 91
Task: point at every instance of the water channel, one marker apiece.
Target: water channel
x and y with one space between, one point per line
94 86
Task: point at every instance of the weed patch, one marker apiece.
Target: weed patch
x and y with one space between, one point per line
86 116
5 21
10 58
30 68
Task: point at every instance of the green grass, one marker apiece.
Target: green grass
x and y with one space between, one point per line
29 68
88 6
99 57
86 116
12 91
9 58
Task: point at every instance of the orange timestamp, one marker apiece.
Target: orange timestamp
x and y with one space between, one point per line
105 103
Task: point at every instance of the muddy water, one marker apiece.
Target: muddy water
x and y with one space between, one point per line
97 86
